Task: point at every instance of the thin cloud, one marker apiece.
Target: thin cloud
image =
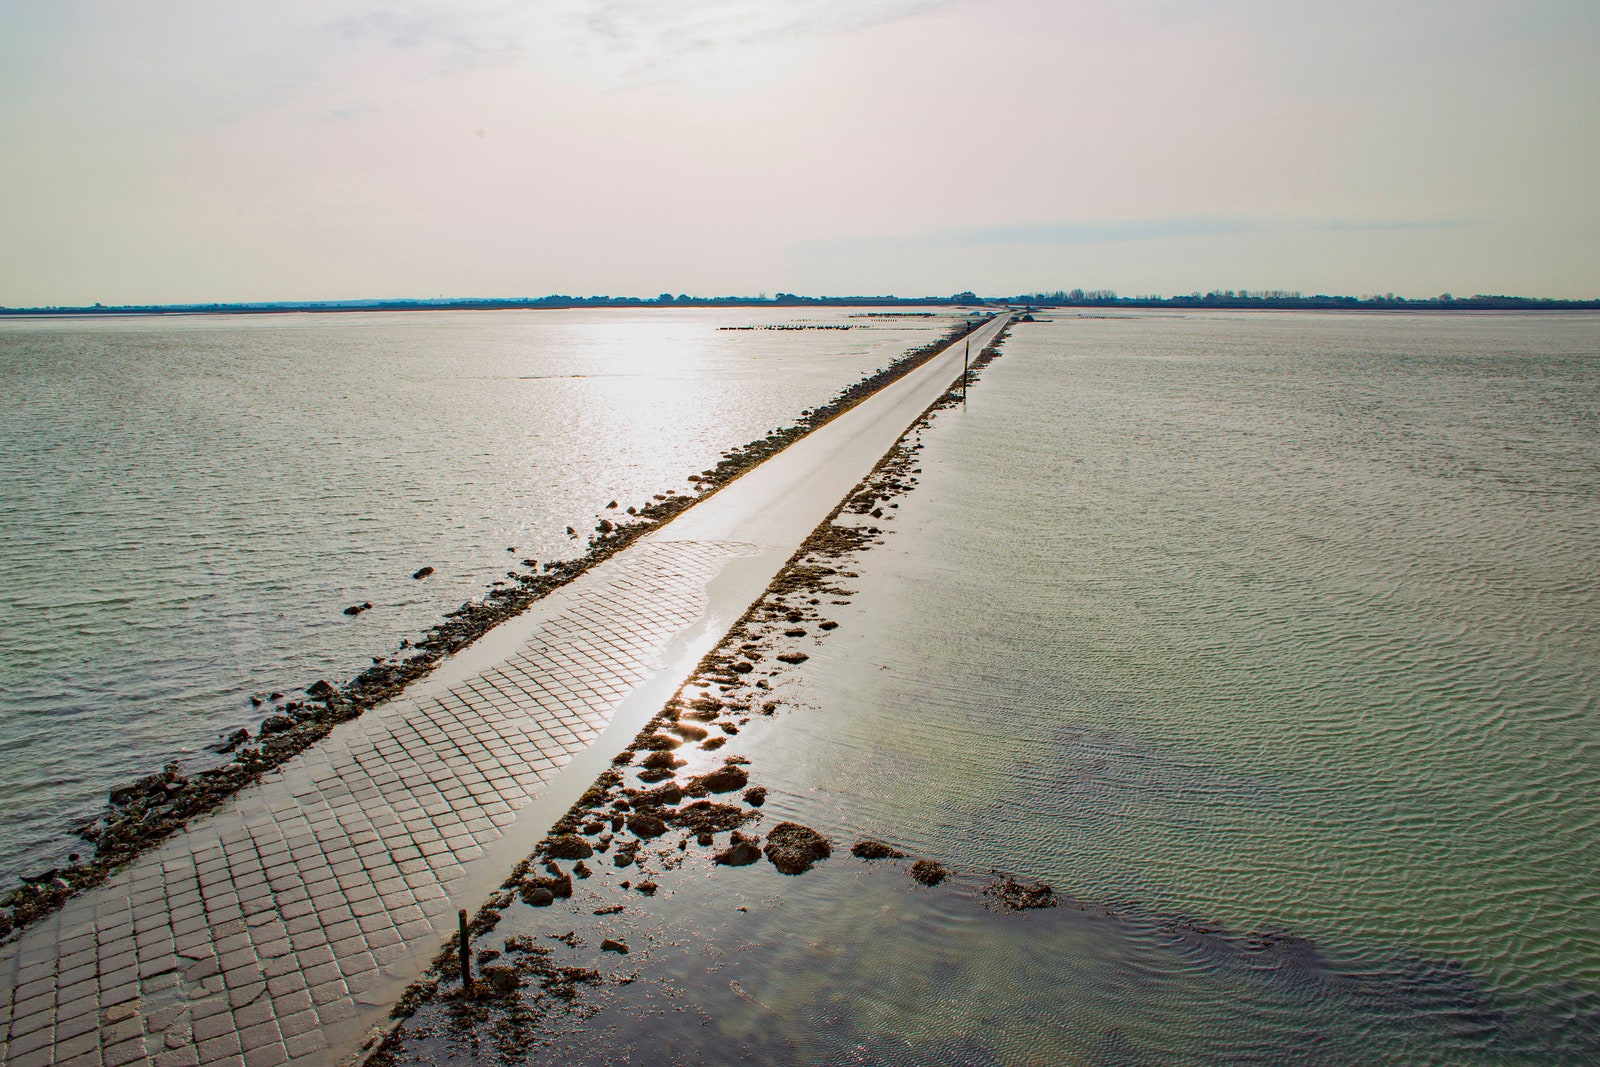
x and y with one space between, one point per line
626 40
1109 232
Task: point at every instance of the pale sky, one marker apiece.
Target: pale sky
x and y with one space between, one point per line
189 150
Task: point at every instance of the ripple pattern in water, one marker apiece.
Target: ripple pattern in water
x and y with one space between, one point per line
1282 622
191 502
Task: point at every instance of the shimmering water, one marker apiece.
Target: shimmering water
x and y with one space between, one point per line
1221 624
191 502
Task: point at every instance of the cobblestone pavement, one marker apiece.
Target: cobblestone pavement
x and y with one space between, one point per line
251 937
282 927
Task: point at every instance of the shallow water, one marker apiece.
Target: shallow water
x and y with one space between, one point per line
1222 625
192 501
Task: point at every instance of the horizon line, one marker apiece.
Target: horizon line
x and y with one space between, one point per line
1271 299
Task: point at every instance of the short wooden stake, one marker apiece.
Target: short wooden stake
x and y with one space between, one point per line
466 953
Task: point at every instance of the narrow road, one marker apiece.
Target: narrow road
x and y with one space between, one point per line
283 927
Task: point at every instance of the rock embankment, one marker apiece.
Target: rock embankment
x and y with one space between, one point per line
140 815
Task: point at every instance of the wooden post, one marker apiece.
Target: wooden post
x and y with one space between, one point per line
466 953
966 359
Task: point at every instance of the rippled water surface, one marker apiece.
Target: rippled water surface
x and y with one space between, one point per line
191 502
1226 626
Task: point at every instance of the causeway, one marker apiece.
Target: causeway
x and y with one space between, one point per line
282 927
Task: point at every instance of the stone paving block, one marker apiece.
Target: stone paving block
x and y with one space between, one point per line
80 1046
219 1048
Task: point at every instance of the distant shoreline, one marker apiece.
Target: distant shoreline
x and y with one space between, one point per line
1221 300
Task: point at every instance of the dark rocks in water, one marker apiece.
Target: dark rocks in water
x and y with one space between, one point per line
593 826
928 872
233 741
793 616
689 731
755 796
829 625
612 909
742 852
581 869
657 742
647 826
611 505
655 774
276 696
743 668
711 704
357 609
797 632
721 780
276 724
875 850
793 848
626 851
793 657
255 702
613 945
127 794
422 572
560 886
662 796
499 978
662 759
1006 893
713 744
648 888
568 847
706 816
704 838
538 897
318 690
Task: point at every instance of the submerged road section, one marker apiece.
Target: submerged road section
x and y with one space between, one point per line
282 927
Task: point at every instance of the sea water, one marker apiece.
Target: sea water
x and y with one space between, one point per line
191 502
1268 640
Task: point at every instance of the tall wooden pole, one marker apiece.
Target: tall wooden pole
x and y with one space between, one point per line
966 361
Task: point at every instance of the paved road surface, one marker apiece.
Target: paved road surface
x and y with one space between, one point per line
282 927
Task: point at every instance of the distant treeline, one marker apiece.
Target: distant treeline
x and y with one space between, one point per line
1096 298
1281 299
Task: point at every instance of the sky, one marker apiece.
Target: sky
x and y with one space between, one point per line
177 151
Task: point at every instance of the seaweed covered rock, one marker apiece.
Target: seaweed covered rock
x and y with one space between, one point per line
647 825
722 780
568 847
705 817
875 850
793 848
741 852
1006 893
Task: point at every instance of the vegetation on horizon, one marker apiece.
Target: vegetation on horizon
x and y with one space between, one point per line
1260 299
